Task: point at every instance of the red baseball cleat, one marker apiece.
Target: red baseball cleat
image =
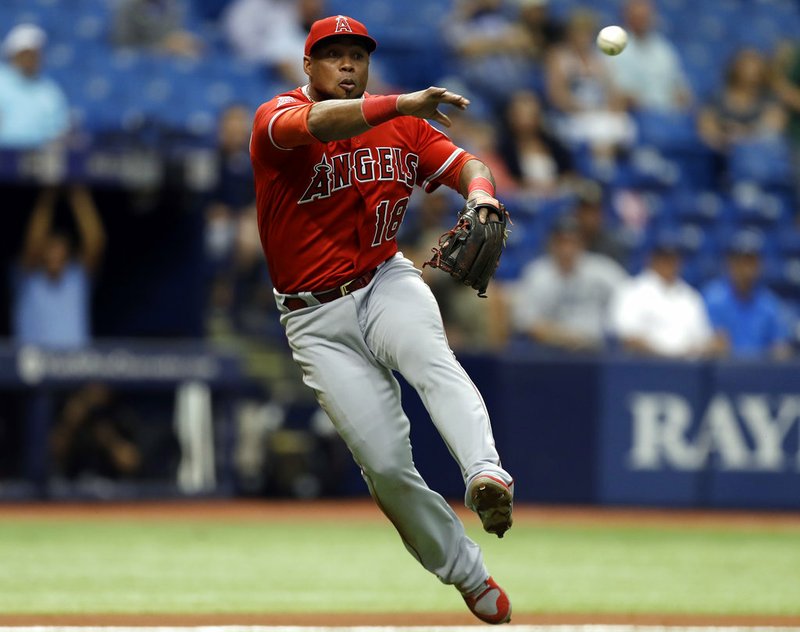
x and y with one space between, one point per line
489 603
492 499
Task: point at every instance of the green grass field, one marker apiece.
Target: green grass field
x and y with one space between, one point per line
80 566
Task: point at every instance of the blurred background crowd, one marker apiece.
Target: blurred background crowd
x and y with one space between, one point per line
653 195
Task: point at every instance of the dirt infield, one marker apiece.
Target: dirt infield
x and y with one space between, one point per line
364 509
292 511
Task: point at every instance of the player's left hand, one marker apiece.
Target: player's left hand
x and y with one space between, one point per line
425 104
470 251
484 203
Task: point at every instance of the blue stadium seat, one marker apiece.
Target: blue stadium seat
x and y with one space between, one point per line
667 130
705 207
783 276
646 167
697 270
753 205
696 241
698 247
684 158
390 20
788 242
759 25
526 241
703 68
765 161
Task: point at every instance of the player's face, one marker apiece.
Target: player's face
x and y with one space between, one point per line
338 69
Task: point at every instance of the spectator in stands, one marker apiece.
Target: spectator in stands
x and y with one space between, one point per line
493 52
561 299
157 25
746 108
590 111
786 83
94 437
538 160
234 192
657 313
272 33
749 317
239 290
33 108
596 236
649 75
52 283
480 137
543 29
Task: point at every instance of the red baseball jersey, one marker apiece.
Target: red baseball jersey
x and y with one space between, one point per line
328 212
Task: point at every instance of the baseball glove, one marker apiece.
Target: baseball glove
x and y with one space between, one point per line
470 251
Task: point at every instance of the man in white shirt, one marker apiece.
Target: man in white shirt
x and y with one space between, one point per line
561 299
33 108
658 313
272 33
649 73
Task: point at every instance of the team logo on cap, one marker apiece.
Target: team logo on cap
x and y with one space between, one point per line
342 25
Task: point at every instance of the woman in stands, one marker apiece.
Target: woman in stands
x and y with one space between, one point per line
589 111
746 108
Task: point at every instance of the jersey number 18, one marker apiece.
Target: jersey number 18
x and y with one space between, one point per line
387 222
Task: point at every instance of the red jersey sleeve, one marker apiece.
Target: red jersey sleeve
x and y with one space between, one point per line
281 124
440 161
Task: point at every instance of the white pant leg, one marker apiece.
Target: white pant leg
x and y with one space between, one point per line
405 332
362 398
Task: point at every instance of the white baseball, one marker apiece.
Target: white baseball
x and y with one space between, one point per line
612 40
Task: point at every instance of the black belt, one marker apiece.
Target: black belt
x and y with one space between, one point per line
326 296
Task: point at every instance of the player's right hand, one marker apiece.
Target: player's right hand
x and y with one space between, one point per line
425 104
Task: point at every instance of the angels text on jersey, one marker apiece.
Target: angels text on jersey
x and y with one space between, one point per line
367 164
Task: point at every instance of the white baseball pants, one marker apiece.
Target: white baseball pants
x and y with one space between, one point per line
347 349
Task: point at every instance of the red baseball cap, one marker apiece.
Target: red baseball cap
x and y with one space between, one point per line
338 26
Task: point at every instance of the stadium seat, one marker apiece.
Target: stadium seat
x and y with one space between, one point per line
695 241
703 68
788 242
765 161
526 241
646 168
667 130
752 205
783 277
697 270
705 207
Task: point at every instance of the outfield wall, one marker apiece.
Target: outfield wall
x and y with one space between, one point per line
570 430
624 431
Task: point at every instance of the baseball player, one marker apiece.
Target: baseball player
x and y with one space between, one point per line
334 169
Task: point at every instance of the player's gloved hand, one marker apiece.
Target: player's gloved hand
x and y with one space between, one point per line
425 104
488 207
470 251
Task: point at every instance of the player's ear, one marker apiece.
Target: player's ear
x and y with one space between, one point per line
307 65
